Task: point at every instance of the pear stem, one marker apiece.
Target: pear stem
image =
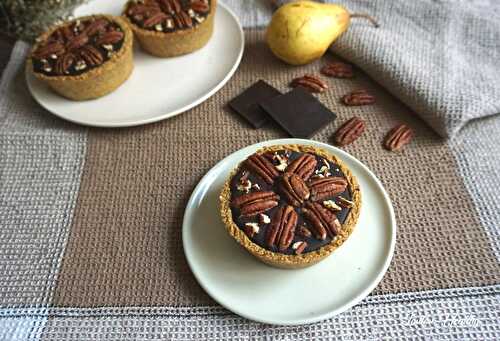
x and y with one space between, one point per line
366 16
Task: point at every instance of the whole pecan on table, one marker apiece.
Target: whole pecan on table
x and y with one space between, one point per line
303 166
337 70
253 203
282 229
311 83
323 221
294 189
398 137
323 188
358 97
348 132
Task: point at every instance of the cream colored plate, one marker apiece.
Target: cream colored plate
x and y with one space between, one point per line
262 293
158 88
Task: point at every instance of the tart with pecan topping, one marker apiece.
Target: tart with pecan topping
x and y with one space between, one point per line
290 205
86 58
167 28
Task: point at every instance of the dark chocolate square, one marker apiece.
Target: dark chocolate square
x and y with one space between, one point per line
246 103
298 112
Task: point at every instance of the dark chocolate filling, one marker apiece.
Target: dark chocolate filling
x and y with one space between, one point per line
260 237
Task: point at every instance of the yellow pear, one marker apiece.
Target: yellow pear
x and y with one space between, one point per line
302 31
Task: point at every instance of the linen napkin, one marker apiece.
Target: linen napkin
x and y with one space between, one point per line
439 57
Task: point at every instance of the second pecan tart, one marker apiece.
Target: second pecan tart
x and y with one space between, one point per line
167 28
290 205
86 58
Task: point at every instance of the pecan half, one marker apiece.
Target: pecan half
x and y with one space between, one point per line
304 232
66 33
155 19
64 63
183 20
337 70
254 203
323 221
398 137
303 166
77 41
349 131
142 10
310 82
294 189
261 166
358 97
282 229
96 26
111 37
91 55
200 6
53 48
324 188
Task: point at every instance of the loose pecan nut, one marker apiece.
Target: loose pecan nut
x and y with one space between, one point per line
323 221
398 137
337 70
254 203
358 97
282 229
310 82
303 166
261 166
200 6
324 188
294 189
349 131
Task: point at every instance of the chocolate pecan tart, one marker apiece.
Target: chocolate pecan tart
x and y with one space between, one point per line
85 58
167 28
290 205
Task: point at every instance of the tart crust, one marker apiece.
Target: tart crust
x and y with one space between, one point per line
98 81
171 44
302 260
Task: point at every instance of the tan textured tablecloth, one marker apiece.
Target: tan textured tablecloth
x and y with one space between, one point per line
90 245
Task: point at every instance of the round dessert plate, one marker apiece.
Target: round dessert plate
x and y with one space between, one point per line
248 287
158 88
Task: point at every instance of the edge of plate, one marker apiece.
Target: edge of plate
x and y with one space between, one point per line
320 317
29 80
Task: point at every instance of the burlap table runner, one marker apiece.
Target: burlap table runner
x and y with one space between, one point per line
90 245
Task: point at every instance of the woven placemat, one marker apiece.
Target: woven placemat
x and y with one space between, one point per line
125 243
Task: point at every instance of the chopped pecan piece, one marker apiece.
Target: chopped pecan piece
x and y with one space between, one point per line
337 70
323 221
349 131
310 82
324 188
358 97
294 189
398 137
253 203
345 203
251 229
303 166
262 167
282 229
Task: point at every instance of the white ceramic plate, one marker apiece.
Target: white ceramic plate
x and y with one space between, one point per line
262 293
158 88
